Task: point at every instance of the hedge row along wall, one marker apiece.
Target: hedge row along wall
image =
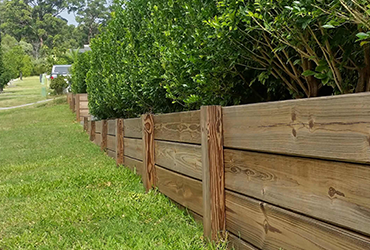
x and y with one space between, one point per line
283 175
79 104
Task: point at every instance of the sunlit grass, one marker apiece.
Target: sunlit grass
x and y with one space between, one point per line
22 92
59 191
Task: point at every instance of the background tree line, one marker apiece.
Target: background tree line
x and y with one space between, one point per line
35 36
165 55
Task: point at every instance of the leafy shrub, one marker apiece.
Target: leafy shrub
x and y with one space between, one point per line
58 84
309 45
160 56
79 72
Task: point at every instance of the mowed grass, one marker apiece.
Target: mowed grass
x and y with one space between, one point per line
22 92
59 191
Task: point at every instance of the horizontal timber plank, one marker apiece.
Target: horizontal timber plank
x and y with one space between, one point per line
333 191
235 243
184 190
98 139
133 128
327 127
84 105
111 154
98 126
112 127
84 113
180 127
83 97
198 218
111 142
269 227
133 148
183 158
134 165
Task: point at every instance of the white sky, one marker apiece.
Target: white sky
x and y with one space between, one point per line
70 17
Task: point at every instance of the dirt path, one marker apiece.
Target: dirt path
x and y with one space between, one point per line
25 105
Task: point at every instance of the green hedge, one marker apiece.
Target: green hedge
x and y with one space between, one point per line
165 56
79 73
161 56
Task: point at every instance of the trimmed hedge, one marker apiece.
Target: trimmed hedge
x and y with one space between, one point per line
166 56
160 56
79 73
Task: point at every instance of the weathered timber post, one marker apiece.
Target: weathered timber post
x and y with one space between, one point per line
120 133
73 103
78 107
148 151
86 123
104 135
92 131
214 221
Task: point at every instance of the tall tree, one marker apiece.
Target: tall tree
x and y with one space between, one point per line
91 15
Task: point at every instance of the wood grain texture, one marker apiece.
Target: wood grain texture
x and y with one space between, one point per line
111 154
111 143
78 107
213 172
92 131
120 133
86 123
98 126
84 105
182 189
133 148
98 139
179 127
133 128
148 151
83 97
236 243
112 127
104 135
135 165
84 113
198 218
73 104
182 158
269 227
332 191
328 127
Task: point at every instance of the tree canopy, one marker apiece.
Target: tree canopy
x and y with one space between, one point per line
35 36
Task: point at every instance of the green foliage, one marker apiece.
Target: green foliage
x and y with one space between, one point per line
306 44
58 84
79 72
160 56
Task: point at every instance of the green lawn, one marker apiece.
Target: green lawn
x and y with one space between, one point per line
22 92
58 191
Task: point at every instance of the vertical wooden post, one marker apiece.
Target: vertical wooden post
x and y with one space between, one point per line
86 123
120 133
73 102
214 221
104 135
148 151
92 131
78 107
